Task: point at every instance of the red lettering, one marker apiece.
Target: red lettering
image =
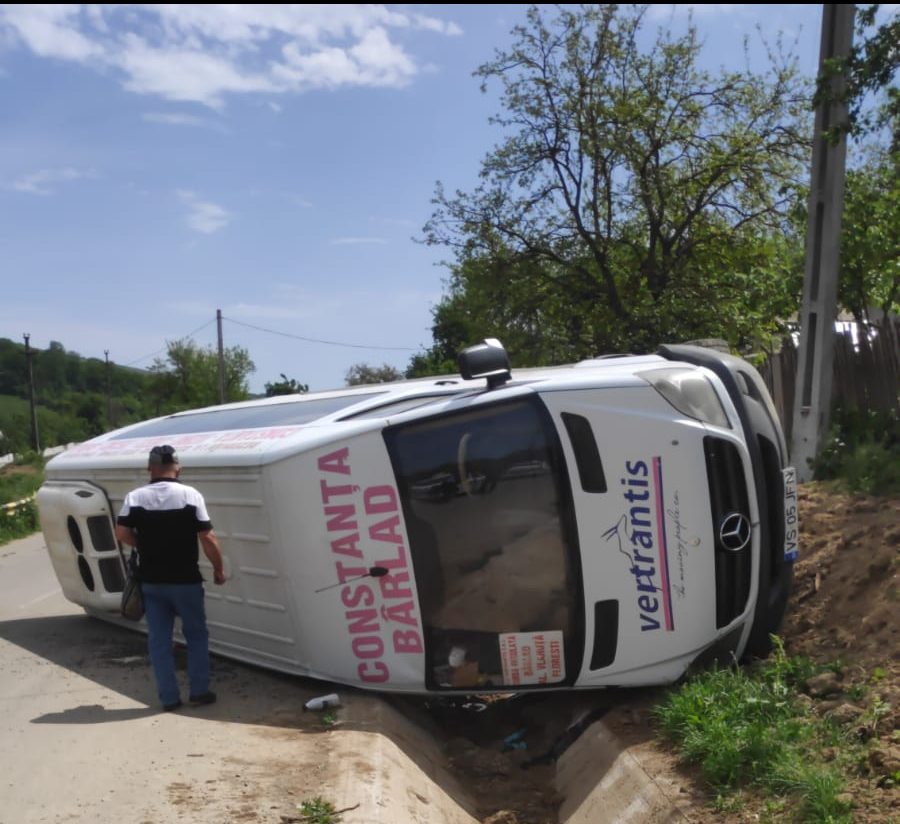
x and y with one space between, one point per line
348 572
335 462
329 491
392 586
387 530
407 641
347 546
341 518
362 620
540 652
555 662
405 613
395 563
352 596
379 676
527 664
380 499
369 646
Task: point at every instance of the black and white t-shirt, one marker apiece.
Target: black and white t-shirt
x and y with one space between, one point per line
166 515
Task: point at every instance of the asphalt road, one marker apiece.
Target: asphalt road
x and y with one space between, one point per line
83 738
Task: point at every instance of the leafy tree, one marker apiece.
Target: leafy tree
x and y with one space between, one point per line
869 70
50 368
189 376
12 368
870 255
634 197
361 373
76 395
286 386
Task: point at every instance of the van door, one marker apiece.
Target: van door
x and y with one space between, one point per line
77 521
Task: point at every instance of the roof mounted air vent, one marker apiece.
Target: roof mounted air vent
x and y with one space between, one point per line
487 359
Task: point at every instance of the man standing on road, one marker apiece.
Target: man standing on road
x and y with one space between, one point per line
163 520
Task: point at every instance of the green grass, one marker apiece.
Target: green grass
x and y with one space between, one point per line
744 728
18 524
10 404
16 483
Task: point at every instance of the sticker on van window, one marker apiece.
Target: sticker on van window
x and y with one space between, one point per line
532 657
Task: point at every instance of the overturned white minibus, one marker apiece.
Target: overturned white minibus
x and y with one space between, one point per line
613 522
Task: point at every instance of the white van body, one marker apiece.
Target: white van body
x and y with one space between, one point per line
607 523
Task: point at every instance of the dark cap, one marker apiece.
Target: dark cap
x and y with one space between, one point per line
161 455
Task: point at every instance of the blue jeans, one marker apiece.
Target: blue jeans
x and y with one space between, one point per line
162 602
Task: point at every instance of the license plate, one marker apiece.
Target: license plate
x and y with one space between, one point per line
791 515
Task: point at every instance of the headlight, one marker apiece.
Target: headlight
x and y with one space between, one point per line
690 393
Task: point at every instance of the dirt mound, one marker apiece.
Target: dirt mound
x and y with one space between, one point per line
845 611
845 604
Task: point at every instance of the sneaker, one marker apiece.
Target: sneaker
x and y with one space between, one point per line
203 698
173 706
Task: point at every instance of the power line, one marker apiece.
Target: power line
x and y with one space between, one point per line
318 340
165 348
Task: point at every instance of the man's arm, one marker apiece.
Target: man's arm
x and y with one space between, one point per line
126 535
213 552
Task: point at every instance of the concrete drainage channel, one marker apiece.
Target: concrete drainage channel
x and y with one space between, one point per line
527 759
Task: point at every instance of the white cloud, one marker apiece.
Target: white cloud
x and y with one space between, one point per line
45 181
203 53
203 216
440 26
50 30
177 119
355 241
184 74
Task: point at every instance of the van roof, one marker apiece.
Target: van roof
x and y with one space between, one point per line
263 430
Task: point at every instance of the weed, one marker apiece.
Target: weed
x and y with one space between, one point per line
878 710
856 692
329 719
729 803
318 811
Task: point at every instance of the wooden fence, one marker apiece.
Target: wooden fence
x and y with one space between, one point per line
866 373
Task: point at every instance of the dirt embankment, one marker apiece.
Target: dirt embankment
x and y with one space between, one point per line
845 611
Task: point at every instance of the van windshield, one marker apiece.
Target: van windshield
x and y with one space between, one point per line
488 513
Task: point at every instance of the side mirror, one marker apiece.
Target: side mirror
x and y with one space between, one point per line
487 359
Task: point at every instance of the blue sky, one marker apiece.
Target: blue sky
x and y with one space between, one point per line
158 163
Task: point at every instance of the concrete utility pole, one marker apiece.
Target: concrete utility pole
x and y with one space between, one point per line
221 358
812 398
29 354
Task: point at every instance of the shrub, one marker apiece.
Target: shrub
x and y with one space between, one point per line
862 452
